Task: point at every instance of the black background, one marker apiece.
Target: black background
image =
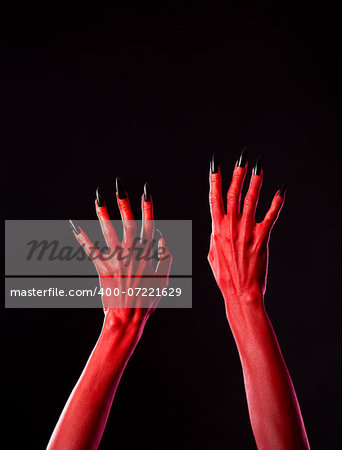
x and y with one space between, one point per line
89 93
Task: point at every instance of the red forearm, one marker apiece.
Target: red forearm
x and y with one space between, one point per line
238 256
84 417
85 414
272 403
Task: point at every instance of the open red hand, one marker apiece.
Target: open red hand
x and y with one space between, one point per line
238 256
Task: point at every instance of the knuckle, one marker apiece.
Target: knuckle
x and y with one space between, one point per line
125 207
238 174
129 223
81 238
102 214
268 220
131 227
232 194
148 206
249 202
213 199
214 179
148 227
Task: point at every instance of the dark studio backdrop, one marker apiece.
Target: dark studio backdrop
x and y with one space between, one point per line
146 93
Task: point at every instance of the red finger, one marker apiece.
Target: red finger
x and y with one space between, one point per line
94 254
105 222
125 211
147 213
252 196
235 189
165 260
215 193
273 212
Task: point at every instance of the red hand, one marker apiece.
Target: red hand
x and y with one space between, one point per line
238 256
85 414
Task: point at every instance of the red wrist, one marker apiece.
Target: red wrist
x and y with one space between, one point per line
121 333
244 310
249 301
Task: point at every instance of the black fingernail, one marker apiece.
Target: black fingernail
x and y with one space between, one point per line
213 164
100 200
243 158
282 190
147 195
120 189
74 227
257 167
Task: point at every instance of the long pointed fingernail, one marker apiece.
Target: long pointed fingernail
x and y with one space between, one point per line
243 158
74 227
147 194
100 199
120 189
157 229
282 190
257 167
214 164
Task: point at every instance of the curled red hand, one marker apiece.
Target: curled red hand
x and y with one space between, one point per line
127 266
